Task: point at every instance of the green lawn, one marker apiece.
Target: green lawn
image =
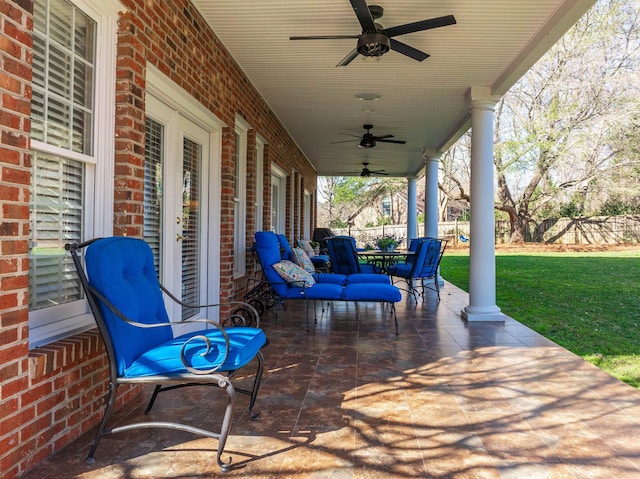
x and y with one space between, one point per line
588 303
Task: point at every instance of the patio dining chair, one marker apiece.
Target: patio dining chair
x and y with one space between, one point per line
343 256
127 302
423 265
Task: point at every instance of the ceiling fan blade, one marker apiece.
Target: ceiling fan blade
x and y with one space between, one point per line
421 25
353 54
364 15
325 37
382 137
399 142
380 172
408 51
349 134
343 141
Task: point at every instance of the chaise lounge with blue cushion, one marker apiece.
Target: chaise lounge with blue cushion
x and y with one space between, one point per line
290 281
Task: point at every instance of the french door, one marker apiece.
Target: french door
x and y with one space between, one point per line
176 192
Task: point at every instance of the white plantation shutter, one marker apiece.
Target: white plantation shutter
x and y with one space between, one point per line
153 161
191 176
57 218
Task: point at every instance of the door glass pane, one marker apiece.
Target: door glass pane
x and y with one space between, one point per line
275 201
192 154
153 161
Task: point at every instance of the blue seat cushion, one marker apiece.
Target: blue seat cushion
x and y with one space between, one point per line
324 291
371 292
369 268
320 259
375 278
400 269
244 344
331 278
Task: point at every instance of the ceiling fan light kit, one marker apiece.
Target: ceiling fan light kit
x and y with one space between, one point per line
373 44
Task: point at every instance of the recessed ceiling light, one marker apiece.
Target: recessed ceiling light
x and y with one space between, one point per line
368 96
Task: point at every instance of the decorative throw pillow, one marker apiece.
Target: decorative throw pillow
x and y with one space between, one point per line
303 260
292 273
306 246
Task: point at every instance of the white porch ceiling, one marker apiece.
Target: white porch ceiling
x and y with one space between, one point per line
425 103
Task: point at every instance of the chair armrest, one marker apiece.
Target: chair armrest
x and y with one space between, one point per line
200 337
246 306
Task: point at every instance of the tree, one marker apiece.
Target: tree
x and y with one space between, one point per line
346 196
560 131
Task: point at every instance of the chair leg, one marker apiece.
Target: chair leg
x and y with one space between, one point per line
226 425
256 386
152 401
395 317
111 400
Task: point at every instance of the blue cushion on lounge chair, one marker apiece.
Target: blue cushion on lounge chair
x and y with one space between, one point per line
368 278
371 292
324 291
332 278
244 344
285 248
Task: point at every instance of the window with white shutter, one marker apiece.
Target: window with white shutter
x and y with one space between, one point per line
68 203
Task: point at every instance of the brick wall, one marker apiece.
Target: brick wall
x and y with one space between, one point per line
17 407
51 395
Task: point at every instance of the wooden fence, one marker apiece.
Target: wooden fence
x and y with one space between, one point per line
592 230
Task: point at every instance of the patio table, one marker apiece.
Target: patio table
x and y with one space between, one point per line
384 258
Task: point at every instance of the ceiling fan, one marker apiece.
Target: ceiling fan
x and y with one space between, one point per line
375 41
368 140
366 172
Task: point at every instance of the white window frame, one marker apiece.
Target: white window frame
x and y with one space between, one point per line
50 324
307 215
240 200
260 142
279 178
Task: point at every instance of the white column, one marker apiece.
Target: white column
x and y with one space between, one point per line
412 210
432 162
431 195
482 261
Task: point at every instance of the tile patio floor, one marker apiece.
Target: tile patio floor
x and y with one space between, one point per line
445 399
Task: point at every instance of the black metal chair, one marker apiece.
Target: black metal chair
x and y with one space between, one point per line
126 299
423 265
343 256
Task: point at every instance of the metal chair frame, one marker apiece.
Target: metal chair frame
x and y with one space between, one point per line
215 376
425 264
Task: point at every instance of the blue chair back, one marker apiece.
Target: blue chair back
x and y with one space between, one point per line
122 270
268 251
343 255
430 259
286 252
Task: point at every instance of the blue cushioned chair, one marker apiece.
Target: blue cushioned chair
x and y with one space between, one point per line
126 299
328 286
423 265
344 257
